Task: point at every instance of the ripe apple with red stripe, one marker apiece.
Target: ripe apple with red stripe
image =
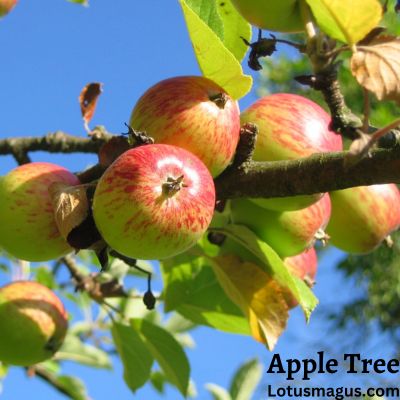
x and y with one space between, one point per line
194 113
33 323
280 16
363 216
154 201
6 6
28 227
290 127
289 232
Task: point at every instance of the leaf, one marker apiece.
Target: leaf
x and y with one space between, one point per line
45 277
74 349
218 392
166 351
246 380
273 265
235 28
207 11
135 356
346 20
83 2
377 67
73 386
88 101
70 204
257 294
215 60
192 289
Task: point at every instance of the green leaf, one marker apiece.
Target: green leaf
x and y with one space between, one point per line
73 386
158 381
135 356
246 380
218 392
215 60
45 277
166 351
273 265
83 2
207 11
346 20
74 349
235 28
192 289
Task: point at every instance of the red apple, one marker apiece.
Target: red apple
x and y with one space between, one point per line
28 228
191 112
33 323
363 216
290 127
289 232
154 202
6 6
304 266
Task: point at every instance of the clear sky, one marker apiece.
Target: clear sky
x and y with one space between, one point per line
49 50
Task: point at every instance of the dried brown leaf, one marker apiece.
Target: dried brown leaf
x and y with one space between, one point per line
377 67
358 149
71 206
88 101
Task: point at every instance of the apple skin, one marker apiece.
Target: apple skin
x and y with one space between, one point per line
6 6
290 127
289 232
363 216
28 229
134 214
180 111
272 15
33 323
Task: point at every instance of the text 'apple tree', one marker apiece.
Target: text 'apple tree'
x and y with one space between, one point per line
234 203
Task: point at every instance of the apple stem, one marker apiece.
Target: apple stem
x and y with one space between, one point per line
219 99
173 186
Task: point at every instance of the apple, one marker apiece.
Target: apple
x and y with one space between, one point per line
304 266
33 323
290 127
273 15
289 232
6 6
363 216
28 229
154 201
194 113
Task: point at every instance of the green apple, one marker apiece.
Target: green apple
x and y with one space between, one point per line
289 232
363 216
290 127
273 15
33 323
28 228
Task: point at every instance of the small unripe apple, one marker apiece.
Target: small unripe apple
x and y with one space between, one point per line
33 323
289 232
273 15
363 216
28 229
154 201
6 6
290 127
194 113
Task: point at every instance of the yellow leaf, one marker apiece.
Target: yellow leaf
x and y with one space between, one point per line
215 60
257 294
377 67
346 20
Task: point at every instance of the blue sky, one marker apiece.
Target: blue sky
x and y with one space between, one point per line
49 50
